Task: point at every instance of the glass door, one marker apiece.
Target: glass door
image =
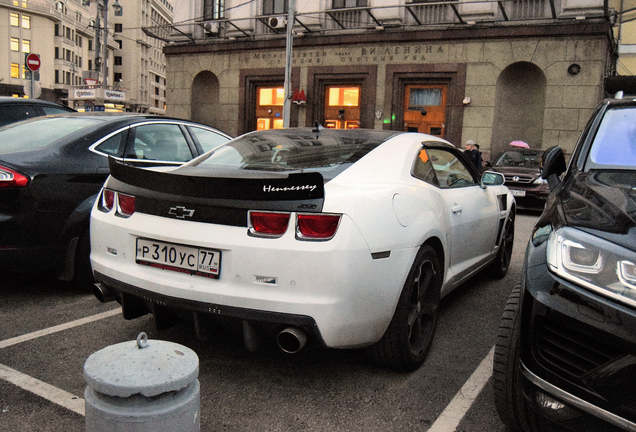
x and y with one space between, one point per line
342 107
269 107
425 109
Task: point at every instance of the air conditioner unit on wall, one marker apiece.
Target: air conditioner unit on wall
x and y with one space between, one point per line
211 27
277 22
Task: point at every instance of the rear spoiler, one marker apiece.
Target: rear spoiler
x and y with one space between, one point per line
271 186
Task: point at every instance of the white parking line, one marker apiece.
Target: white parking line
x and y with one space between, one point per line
42 389
453 414
58 328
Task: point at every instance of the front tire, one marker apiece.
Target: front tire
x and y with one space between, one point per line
408 338
509 399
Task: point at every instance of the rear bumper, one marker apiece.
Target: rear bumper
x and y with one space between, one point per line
132 298
349 295
27 259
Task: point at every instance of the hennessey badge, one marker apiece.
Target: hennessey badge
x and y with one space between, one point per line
180 212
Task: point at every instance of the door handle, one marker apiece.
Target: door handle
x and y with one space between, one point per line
456 210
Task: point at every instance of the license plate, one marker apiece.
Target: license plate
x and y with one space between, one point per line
518 193
181 258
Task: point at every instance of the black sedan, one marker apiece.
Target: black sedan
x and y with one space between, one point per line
52 167
16 109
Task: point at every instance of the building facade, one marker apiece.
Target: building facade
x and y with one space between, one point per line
491 71
139 63
625 33
61 32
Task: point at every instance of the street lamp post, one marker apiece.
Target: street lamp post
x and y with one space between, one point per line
118 8
288 64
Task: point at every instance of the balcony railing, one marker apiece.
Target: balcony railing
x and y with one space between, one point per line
410 15
348 18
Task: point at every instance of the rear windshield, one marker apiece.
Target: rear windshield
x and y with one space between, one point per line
40 133
614 145
519 158
292 150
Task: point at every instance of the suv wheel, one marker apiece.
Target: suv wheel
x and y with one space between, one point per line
509 400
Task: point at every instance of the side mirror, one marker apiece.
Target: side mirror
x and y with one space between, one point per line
552 165
491 178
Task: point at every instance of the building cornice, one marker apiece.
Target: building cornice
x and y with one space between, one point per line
474 32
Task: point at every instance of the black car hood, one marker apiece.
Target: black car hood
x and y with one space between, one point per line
602 202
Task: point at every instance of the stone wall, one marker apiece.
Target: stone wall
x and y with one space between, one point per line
569 99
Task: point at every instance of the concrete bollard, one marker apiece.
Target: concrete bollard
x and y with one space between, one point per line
142 386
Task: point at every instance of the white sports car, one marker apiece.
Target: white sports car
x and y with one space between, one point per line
348 238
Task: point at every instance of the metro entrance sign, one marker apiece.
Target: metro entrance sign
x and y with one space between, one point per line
33 62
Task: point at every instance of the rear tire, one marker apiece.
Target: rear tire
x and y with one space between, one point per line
408 338
506 374
499 267
83 277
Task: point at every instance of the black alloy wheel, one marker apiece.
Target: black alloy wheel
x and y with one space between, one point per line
422 315
408 338
501 264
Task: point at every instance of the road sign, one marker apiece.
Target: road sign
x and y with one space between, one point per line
33 62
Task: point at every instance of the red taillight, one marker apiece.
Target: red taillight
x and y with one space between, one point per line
268 223
107 201
126 204
316 226
11 178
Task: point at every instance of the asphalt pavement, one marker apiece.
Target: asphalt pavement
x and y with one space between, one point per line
315 390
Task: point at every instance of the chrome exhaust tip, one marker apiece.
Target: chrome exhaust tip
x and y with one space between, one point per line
291 340
102 293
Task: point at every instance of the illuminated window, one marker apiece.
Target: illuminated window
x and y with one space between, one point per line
344 96
24 72
271 96
14 19
25 3
278 123
15 70
26 21
15 44
26 45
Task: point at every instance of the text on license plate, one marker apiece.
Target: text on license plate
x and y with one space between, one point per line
519 193
182 258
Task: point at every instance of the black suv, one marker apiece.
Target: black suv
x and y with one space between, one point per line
565 357
15 109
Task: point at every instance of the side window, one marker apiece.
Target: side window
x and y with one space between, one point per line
16 112
206 138
159 142
450 171
423 168
53 110
112 146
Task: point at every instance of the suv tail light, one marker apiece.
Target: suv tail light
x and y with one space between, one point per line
267 224
10 178
125 204
107 200
316 226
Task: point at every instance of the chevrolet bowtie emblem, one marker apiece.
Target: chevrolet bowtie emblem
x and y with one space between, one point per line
180 212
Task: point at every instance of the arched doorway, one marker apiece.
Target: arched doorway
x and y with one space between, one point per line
520 105
205 99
